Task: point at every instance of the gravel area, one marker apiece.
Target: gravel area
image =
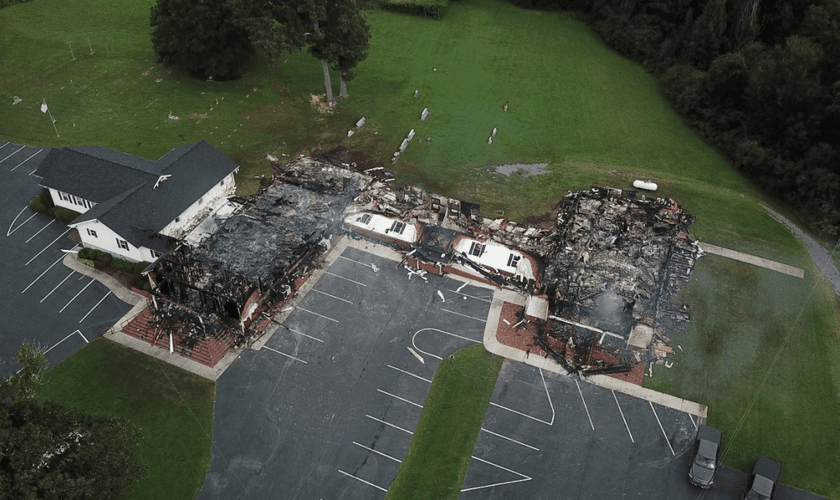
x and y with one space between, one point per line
818 254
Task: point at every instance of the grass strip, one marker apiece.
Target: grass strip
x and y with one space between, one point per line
438 457
172 407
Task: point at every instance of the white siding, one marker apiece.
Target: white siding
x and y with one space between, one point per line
193 215
497 257
69 201
382 225
106 240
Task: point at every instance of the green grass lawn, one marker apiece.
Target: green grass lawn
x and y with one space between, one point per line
591 115
438 457
172 407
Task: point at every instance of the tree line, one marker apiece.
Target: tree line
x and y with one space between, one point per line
214 38
758 80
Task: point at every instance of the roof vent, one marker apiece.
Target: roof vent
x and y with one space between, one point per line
161 179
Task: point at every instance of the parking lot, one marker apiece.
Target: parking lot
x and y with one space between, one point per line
44 301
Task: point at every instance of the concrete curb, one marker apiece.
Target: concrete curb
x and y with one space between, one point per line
116 288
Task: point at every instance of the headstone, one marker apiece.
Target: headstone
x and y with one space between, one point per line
416 93
350 133
411 135
424 114
494 131
360 122
403 145
489 140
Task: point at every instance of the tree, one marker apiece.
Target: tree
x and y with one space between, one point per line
52 452
349 36
199 37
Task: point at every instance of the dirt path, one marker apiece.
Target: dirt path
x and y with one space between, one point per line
818 254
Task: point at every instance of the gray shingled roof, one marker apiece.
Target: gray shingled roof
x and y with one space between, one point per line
123 186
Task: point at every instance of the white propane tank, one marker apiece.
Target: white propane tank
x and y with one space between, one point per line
646 185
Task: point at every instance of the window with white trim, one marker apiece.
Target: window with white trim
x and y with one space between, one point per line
155 254
398 227
476 249
91 232
64 196
513 260
122 244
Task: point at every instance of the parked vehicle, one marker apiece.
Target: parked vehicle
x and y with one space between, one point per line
765 475
706 457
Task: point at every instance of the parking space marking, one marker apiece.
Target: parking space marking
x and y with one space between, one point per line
413 337
662 428
39 231
46 247
363 481
4 145
510 439
42 274
284 354
464 315
342 277
303 334
693 422
67 337
468 295
378 452
553 414
401 399
358 262
10 231
74 297
56 286
316 314
94 307
389 424
26 160
584 405
522 476
332 296
622 417
6 158
409 373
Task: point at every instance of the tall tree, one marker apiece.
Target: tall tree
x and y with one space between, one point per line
199 37
349 34
48 451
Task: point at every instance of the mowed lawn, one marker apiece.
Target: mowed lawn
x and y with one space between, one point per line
590 115
172 407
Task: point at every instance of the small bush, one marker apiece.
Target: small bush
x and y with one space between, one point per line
425 8
43 205
129 267
87 262
92 254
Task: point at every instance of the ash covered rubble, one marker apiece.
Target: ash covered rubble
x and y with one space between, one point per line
226 288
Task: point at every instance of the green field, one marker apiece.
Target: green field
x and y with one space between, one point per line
592 116
172 407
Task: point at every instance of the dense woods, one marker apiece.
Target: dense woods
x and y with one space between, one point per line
758 80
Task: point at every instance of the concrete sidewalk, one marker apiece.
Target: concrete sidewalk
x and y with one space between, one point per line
752 259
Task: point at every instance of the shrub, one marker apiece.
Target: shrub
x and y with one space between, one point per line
129 267
65 215
86 262
43 205
92 254
425 8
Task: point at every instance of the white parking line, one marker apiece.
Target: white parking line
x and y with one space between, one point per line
622 417
342 277
510 439
39 231
693 422
523 476
284 354
65 338
584 405
363 481
378 452
4 145
464 315
46 247
553 414
332 296
358 262
662 428
26 160
42 274
409 373
316 314
389 424
56 286
6 158
303 334
10 231
94 307
401 399
413 337
74 297
468 295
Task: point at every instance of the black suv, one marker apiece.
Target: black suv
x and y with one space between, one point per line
706 453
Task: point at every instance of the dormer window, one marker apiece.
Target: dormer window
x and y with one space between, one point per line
364 219
476 249
398 227
513 260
